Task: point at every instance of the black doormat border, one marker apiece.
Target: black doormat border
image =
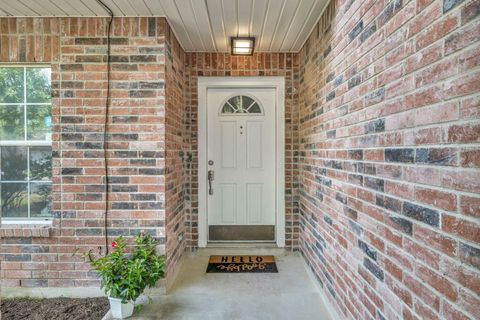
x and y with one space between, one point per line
241 264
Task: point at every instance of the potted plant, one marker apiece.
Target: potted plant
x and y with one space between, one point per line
124 276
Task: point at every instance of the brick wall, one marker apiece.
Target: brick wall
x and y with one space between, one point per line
382 150
176 149
261 64
75 48
389 158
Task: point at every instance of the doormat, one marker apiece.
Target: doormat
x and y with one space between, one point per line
242 264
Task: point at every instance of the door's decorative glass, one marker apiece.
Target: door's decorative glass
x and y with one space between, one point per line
241 104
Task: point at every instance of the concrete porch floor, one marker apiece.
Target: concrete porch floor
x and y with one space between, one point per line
290 294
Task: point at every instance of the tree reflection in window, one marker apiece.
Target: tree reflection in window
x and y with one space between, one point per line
25 138
241 104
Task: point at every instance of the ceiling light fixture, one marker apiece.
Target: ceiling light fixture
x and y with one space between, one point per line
242 46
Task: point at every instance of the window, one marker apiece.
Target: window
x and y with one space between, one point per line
25 143
241 104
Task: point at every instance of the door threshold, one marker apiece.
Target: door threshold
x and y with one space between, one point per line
241 244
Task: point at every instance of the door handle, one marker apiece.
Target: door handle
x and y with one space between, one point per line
210 180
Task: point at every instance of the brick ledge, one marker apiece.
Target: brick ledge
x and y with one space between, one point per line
25 231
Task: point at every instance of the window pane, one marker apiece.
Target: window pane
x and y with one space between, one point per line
38 85
13 163
246 102
40 163
235 102
14 199
11 85
255 109
227 108
40 200
39 122
12 123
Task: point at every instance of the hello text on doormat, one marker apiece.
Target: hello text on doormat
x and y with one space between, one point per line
242 264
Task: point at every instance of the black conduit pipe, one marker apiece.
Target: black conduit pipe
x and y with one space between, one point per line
105 124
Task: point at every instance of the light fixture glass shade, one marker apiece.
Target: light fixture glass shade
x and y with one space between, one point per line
242 45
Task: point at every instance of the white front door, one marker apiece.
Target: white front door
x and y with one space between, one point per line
241 164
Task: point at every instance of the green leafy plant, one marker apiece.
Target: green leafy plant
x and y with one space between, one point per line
126 275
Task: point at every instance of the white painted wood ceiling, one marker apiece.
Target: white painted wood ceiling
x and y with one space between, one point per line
200 25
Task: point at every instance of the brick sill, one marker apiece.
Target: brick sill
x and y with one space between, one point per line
14 229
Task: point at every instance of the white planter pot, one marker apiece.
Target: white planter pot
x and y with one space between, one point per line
120 310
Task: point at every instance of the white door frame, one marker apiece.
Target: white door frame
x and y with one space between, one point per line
277 83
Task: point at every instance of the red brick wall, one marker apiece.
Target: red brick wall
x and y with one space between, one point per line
75 49
176 149
389 158
261 64
382 150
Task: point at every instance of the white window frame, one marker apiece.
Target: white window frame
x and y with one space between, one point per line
26 143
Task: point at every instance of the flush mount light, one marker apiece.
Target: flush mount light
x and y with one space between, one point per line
242 46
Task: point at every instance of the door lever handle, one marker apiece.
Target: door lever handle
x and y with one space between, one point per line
210 180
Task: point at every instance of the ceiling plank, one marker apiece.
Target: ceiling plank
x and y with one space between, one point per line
230 18
17 8
115 9
97 10
284 22
155 7
187 14
258 16
203 22
244 9
142 9
214 8
310 24
44 9
274 10
175 20
297 24
69 9
81 8
126 7
56 9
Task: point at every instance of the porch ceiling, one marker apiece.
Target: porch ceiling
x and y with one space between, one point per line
200 25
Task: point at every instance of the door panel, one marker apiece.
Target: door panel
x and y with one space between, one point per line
228 144
241 151
254 202
254 144
228 210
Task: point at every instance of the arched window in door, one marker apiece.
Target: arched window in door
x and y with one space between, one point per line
241 104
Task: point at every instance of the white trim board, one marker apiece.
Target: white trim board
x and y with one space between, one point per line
277 83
